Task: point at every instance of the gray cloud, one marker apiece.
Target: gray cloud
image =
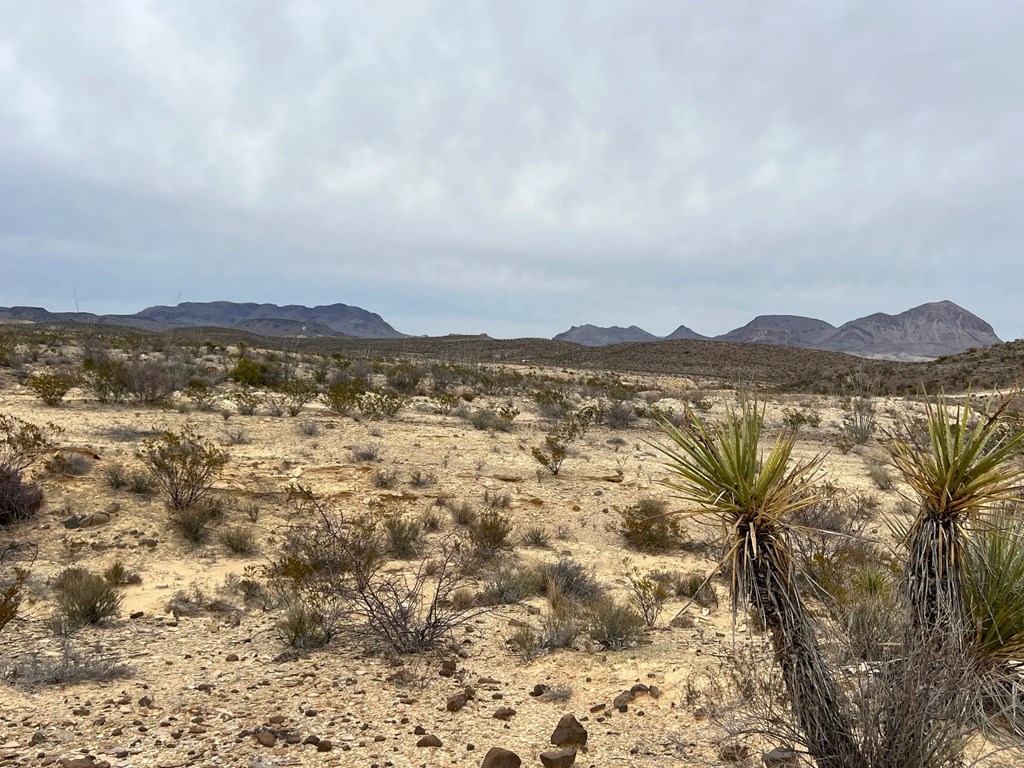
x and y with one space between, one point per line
514 167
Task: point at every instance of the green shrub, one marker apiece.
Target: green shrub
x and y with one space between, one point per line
573 579
111 381
620 415
141 482
648 594
247 401
85 598
21 444
193 523
649 525
536 536
343 397
794 418
51 386
378 405
252 373
116 475
302 628
239 539
184 465
118 575
403 536
404 377
614 625
462 513
509 583
491 532
551 454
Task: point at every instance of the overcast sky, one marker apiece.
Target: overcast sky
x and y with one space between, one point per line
515 167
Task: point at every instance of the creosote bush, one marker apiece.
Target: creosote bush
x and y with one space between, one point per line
649 525
184 464
21 445
85 598
52 386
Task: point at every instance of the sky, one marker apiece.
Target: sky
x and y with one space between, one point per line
514 168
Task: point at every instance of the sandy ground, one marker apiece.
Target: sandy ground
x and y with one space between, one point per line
203 685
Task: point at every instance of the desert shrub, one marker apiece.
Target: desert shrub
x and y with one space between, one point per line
302 628
239 539
151 382
298 393
795 418
309 428
420 479
199 392
559 629
247 401
68 464
403 377
490 420
648 594
694 586
613 624
462 513
403 536
551 404
141 482
255 373
496 500
366 451
193 523
620 415
21 445
828 539
384 478
443 402
69 667
867 608
536 536
649 525
343 397
275 404
237 435
8 350
880 475
858 425
85 598
379 405
509 583
573 579
491 532
431 520
525 643
116 475
51 386
15 563
184 465
111 381
551 454
116 574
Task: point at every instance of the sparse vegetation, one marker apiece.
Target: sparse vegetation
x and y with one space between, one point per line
85 598
52 386
650 525
184 465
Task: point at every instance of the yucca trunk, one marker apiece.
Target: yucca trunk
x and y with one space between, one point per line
933 581
817 704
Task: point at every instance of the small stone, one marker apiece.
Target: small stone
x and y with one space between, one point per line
266 738
569 732
430 740
498 757
503 713
539 690
146 701
623 699
655 692
231 657
312 740
137 615
276 719
780 756
419 730
457 702
325 746
561 758
448 667
311 713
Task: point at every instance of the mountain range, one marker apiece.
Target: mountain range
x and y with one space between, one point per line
922 333
263 319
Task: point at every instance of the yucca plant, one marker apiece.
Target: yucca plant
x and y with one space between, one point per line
964 470
721 469
993 590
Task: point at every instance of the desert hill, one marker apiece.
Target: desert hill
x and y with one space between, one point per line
262 319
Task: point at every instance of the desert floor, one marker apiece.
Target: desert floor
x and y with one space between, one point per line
202 687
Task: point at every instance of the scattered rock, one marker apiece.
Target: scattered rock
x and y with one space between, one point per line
137 615
419 730
503 713
231 657
430 740
539 690
780 756
266 738
569 731
71 523
560 758
457 702
623 699
324 745
498 757
448 667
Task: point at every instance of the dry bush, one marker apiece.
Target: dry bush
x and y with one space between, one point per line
184 465
613 624
85 598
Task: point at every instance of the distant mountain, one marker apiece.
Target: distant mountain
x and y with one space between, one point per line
928 331
785 330
596 336
685 334
922 333
263 319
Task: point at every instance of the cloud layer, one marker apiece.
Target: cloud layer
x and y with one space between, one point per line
514 168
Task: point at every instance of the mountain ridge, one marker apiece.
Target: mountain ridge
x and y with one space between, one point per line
924 332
